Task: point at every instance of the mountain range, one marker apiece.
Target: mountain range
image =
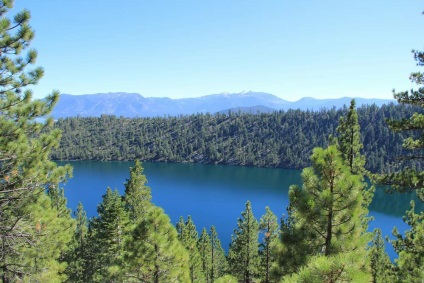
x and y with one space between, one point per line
135 105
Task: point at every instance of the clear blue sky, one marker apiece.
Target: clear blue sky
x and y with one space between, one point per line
182 48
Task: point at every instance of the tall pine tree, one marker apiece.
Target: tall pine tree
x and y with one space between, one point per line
205 250
76 256
218 260
154 253
268 226
137 194
349 140
107 238
329 207
188 236
31 232
243 255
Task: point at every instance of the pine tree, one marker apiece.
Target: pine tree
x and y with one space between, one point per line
293 248
329 208
205 250
187 234
154 254
107 237
218 260
349 140
137 194
76 256
379 260
268 226
332 269
243 255
28 222
330 203
409 176
410 248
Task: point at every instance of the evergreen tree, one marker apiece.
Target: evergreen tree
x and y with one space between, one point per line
336 268
329 208
154 254
293 249
76 256
205 249
410 248
379 260
243 255
31 232
137 194
107 237
349 140
330 203
187 234
410 177
268 226
218 260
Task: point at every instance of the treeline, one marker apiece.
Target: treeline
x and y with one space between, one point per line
281 139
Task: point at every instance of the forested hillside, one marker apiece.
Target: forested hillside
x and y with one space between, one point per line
280 139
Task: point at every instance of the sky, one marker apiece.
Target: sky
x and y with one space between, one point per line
191 48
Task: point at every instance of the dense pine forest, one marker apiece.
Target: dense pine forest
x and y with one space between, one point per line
281 139
323 237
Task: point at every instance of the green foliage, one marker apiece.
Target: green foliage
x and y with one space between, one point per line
205 250
218 260
349 140
187 234
410 248
293 249
329 203
410 263
281 139
137 194
243 254
268 226
107 238
34 229
76 255
380 262
332 269
154 253
226 279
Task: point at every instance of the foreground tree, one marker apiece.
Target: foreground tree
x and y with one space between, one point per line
293 248
154 254
410 177
243 255
107 238
329 209
31 232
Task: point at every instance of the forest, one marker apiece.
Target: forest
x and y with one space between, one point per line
322 238
281 139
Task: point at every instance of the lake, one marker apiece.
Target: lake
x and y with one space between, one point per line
212 194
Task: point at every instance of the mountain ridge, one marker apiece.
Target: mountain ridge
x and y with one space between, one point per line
136 105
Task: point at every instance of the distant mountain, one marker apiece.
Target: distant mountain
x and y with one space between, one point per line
135 105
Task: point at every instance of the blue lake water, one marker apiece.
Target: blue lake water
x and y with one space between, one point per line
212 194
